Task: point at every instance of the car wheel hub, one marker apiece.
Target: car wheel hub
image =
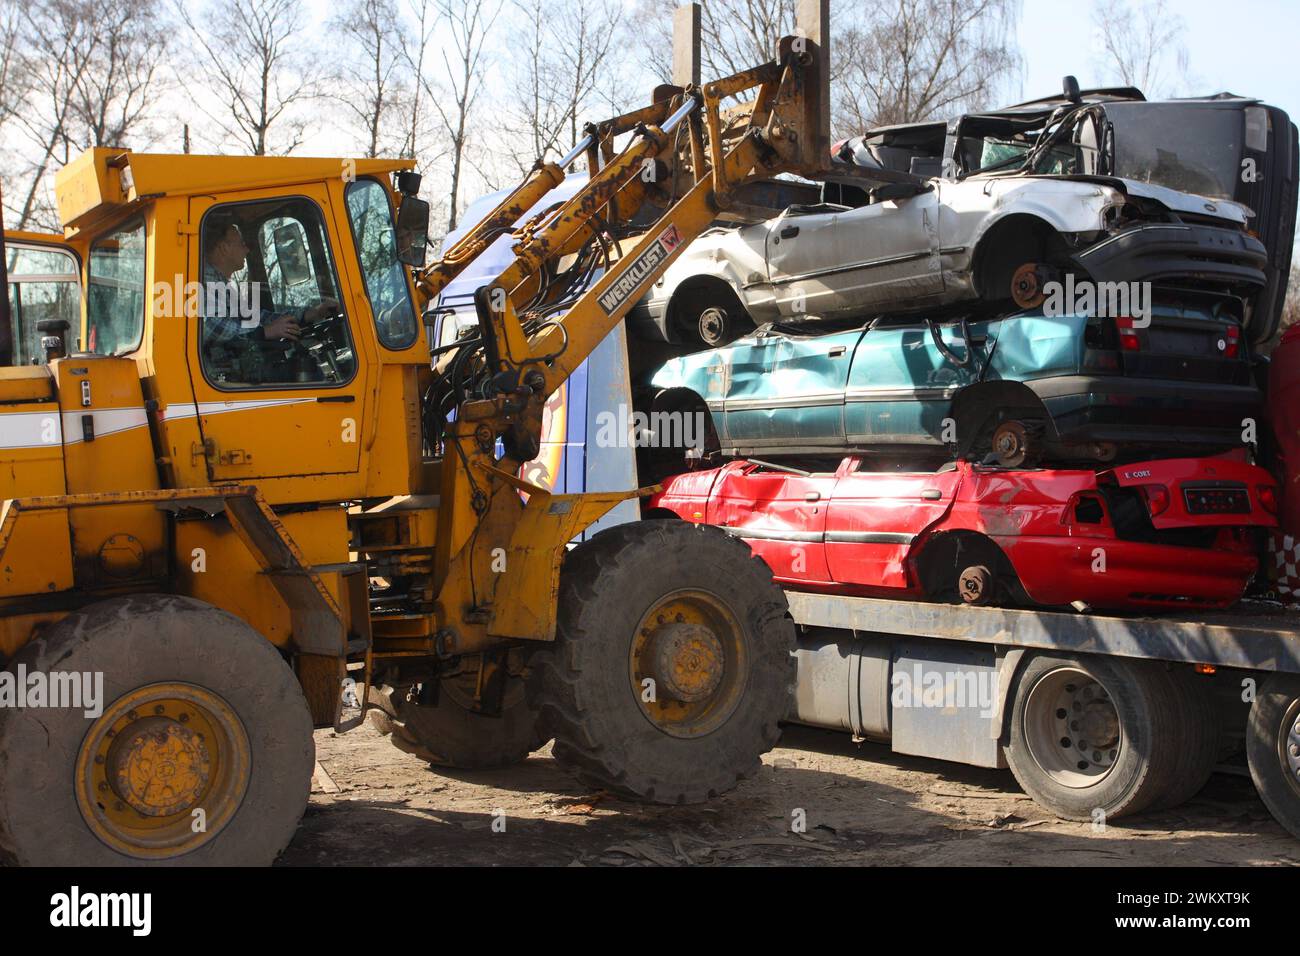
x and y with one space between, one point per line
975 584
1010 444
1026 290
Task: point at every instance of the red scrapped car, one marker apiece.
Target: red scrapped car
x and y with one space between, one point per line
1179 532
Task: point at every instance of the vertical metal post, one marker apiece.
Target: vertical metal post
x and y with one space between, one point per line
812 20
686 45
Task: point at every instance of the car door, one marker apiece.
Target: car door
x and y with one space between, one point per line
780 514
279 408
901 382
880 255
787 391
874 516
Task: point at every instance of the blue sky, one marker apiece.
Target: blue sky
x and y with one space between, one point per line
1250 47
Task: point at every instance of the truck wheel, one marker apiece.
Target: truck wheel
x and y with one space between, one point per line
448 733
1092 734
673 663
1196 742
202 754
1273 748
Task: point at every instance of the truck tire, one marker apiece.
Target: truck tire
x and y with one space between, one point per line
203 727
1273 748
1196 742
673 663
1129 708
449 734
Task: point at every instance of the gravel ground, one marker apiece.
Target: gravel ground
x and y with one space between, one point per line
860 805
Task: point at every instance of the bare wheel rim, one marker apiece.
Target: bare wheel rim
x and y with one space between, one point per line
713 323
1289 745
1072 729
688 663
163 770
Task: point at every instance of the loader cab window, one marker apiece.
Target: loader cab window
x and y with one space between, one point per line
43 284
372 230
270 312
115 292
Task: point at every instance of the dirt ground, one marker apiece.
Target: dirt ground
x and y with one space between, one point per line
861 804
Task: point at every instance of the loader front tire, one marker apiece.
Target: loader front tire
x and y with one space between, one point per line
673 663
202 753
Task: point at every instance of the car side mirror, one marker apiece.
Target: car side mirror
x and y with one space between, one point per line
412 231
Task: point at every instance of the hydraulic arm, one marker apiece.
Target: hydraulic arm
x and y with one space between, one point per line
686 160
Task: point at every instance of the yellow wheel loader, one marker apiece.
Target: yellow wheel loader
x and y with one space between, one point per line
238 494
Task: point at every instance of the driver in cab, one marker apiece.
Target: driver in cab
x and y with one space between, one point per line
232 326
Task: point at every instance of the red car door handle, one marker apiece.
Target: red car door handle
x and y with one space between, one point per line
812 496
931 494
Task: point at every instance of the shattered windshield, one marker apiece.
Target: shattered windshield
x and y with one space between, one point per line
1191 147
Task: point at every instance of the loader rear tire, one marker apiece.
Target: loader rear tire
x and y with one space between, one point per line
673 663
202 754
449 734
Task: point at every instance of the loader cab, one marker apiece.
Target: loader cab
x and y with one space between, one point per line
262 299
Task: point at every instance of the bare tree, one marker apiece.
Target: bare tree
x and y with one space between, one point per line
252 60
414 45
567 67
1142 45
11 77
469 23
115 93
79 73
370 77
734 34
921 59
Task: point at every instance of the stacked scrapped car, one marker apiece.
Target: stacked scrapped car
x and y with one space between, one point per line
1023 388
1153 535
983 211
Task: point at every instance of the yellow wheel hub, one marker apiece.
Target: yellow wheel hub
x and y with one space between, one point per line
688 663
159 767
162 770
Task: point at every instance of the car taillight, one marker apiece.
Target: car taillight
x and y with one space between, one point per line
1157 498
1231 342
1267 498
1128 337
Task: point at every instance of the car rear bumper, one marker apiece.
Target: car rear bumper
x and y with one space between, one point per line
1060 571
1164 252
1161 412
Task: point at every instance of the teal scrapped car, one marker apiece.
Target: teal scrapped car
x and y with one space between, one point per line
1022 388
